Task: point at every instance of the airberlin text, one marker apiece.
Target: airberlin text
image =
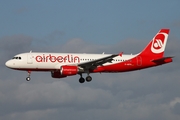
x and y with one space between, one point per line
60 59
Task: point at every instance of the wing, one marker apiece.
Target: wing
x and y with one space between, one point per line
98 62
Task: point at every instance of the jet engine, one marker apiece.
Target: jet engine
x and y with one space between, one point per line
65 71
69 70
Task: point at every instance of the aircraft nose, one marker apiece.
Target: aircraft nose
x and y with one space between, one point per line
9 64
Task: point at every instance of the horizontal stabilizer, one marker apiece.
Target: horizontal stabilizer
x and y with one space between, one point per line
163 60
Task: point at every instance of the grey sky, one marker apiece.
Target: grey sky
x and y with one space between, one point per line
140 95
144 94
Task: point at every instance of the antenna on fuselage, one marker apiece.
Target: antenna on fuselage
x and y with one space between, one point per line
31 51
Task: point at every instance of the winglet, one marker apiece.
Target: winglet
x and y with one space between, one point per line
120 54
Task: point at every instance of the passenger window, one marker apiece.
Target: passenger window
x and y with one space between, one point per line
20 58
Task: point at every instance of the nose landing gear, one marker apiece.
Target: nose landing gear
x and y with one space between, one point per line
28 78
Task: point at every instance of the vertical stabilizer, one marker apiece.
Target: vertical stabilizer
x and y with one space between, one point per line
156 47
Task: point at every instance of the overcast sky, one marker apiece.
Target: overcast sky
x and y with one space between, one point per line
89 26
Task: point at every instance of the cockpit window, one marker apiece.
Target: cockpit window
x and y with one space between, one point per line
18 58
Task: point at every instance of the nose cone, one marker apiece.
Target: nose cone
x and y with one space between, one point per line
9 64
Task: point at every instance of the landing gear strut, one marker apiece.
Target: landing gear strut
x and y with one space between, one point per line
81 79
28 78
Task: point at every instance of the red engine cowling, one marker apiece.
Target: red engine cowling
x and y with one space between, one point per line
68 70
56 74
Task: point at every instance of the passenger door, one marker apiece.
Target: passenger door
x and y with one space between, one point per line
29 59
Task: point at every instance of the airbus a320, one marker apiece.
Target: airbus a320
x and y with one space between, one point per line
61 65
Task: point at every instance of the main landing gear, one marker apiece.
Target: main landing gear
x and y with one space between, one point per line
82 80
28 78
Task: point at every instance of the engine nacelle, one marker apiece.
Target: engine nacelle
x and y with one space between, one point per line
69 70
56 74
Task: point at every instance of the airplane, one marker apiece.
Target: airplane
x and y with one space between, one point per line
61 65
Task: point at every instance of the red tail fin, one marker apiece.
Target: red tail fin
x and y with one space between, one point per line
156 47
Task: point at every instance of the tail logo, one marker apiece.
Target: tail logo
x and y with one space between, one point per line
158 43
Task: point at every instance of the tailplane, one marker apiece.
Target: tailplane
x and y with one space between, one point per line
155 48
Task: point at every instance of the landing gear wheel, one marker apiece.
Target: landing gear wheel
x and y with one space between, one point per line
81 80
28 78
88 78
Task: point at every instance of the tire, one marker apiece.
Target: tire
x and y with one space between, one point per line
81 80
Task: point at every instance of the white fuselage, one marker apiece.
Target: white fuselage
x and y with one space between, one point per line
51 61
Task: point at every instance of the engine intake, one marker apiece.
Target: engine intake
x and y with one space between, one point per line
56 74
65 71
